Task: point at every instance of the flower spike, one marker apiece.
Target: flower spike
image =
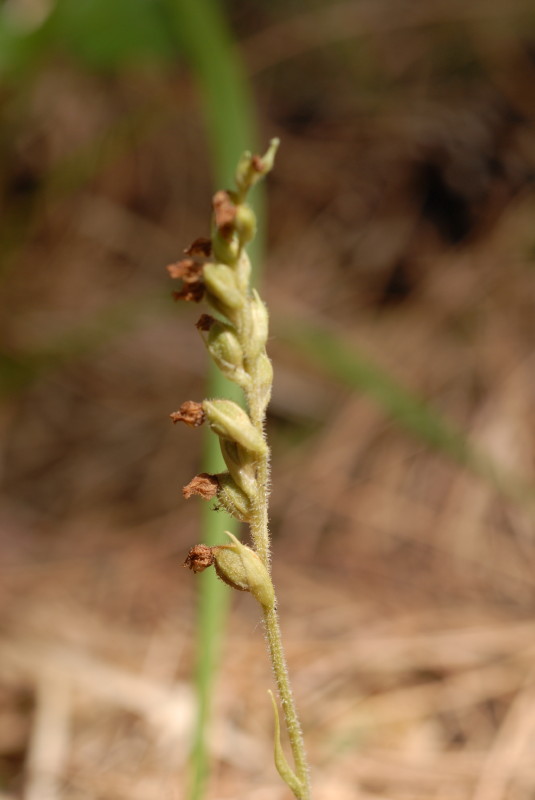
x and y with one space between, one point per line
219 270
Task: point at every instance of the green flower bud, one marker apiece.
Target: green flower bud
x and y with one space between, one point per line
264 374
225 349
223 344
243 273
229 421
224 310
240 567
251 168
220 281
224 249
268 159
264 377
232 498
259 325
241 465
244 172
245 223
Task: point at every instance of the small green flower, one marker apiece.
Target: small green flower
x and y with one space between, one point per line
240 567
220 283
229 421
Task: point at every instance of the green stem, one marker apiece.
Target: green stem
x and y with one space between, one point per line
258 524
259 521
213 602
208 44
289 710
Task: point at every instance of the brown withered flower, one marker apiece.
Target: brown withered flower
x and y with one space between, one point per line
199 558
191 293
203 485
187 270
200 247
190 272
189 412
224 213
205 322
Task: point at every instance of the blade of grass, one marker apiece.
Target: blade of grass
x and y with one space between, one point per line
228 109
202 34
349 366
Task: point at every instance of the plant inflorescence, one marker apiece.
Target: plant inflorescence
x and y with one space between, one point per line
218 269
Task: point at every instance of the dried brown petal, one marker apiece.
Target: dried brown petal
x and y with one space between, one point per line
206 486
224 213
199 558
191 293
187 269
205 322
189 412
200 247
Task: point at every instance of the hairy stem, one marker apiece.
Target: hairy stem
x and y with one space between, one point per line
260 536
289 710
259 522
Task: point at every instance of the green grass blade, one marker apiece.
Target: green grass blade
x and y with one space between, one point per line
226 96
228 108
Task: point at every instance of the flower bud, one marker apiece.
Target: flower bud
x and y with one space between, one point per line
245 223
264 373
244 172
229 421
264 378
240 567
251 168
241 465
220 281
259 324
223 344
225 249
268 159
232 498
225 349
243 273
224 310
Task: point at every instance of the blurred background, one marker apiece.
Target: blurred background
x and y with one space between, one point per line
398 267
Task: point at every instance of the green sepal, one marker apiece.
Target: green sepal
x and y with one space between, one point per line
245 223
225 250
250 169
264 378
220 281
233 498
226 351
241 466
240 567
259 325
229 421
